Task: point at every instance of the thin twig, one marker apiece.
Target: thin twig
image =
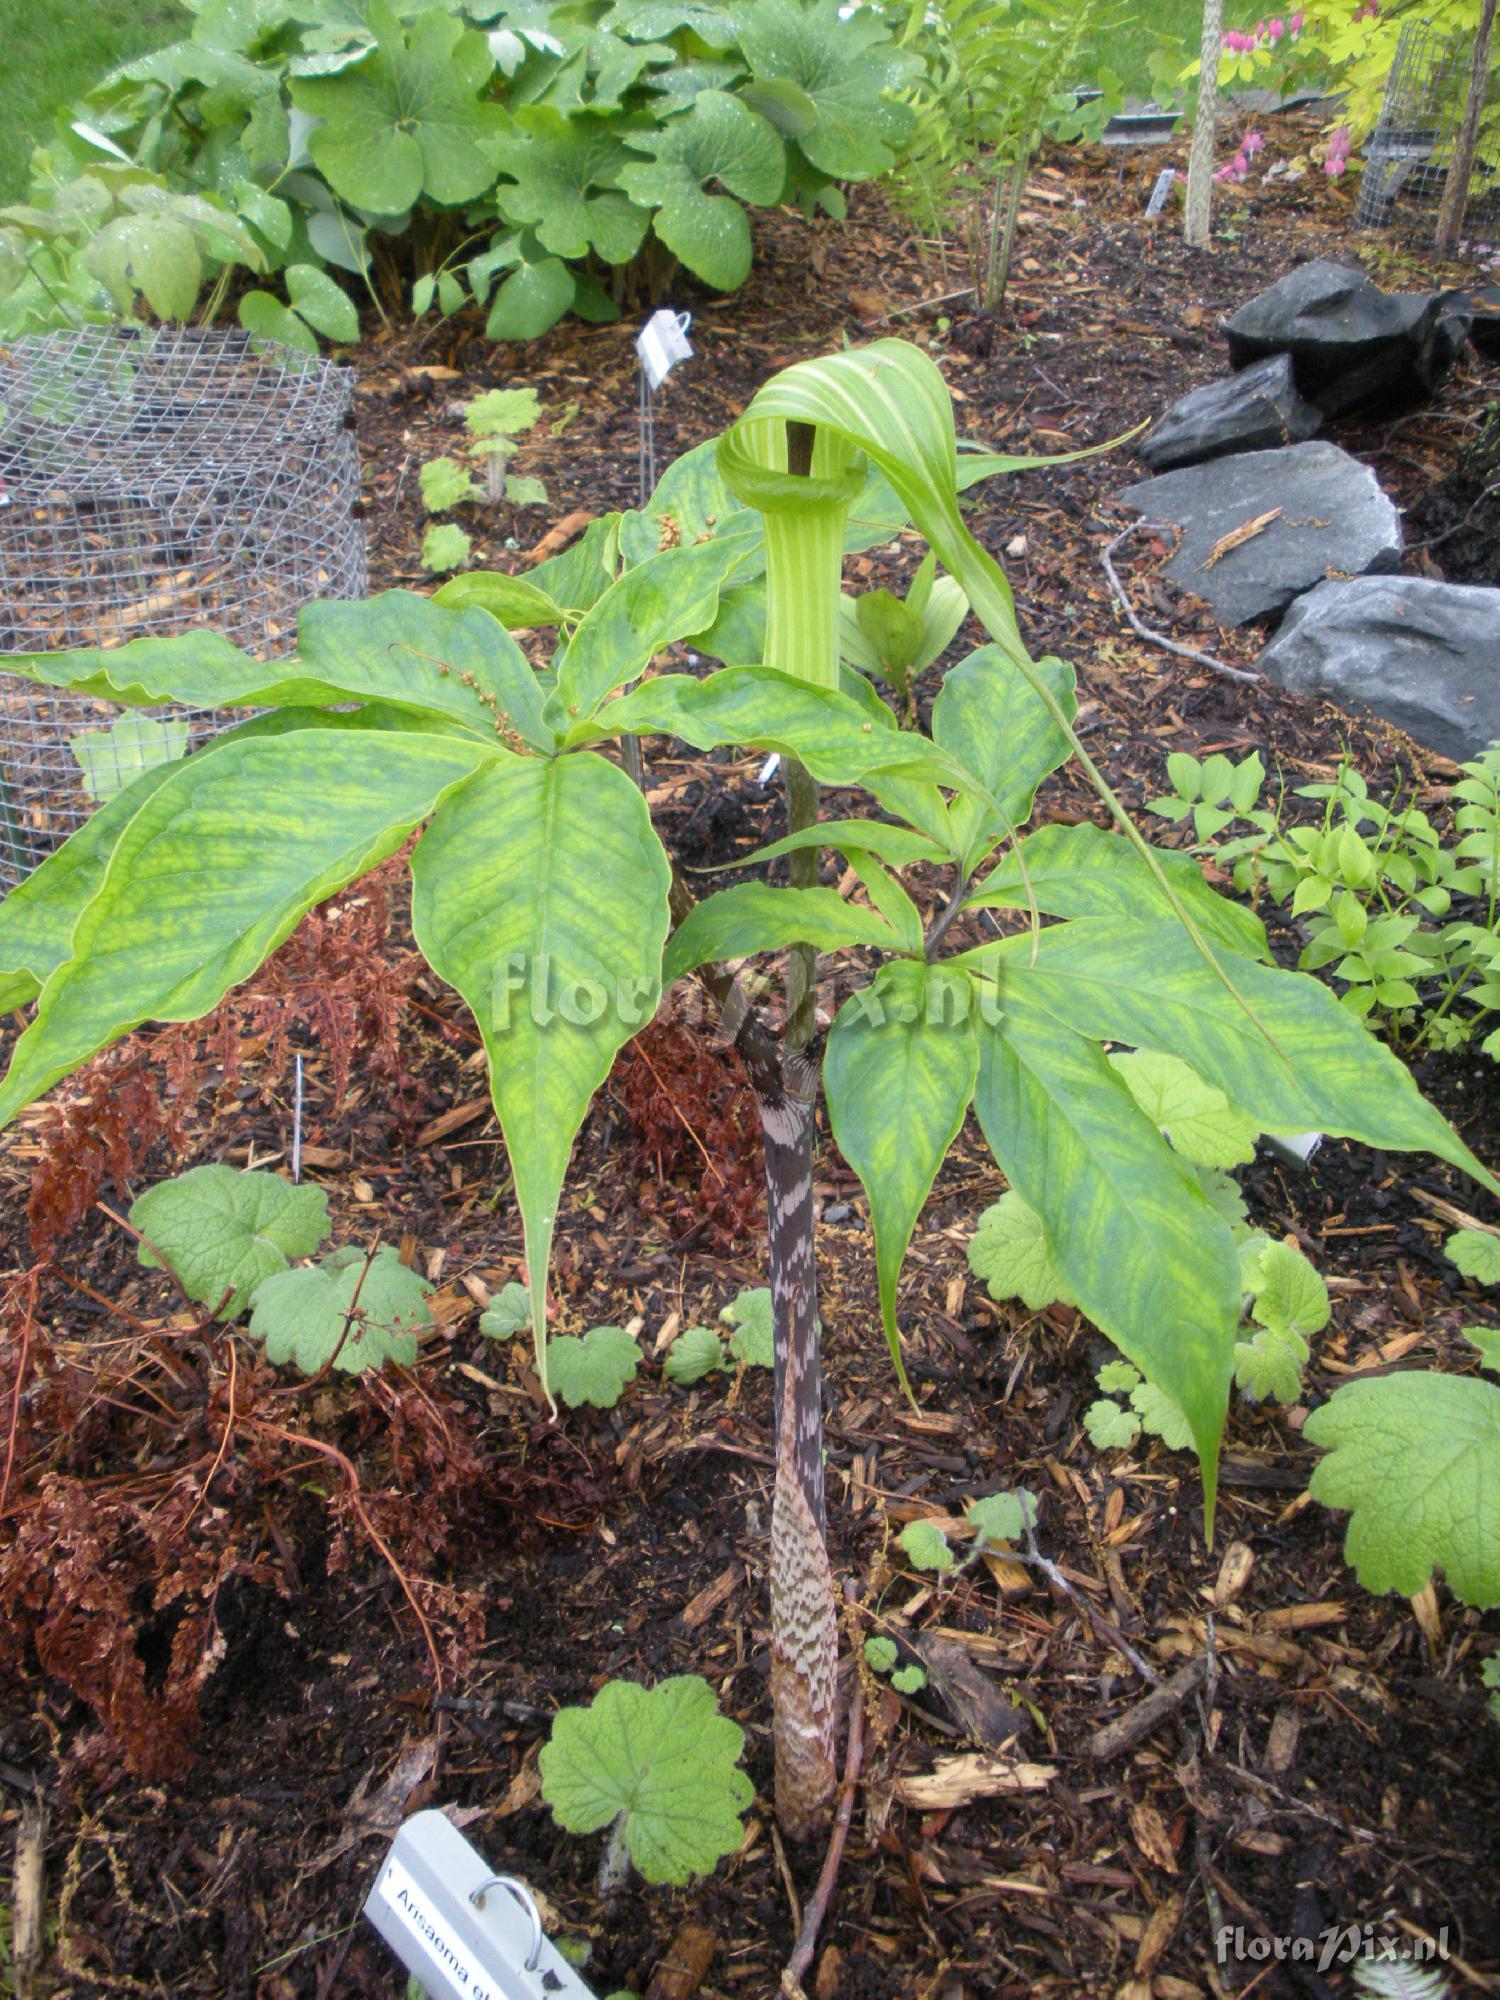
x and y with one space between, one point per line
1110 1633
1143 631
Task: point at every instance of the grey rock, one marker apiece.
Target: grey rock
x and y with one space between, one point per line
1252 411
1424 655
1352 345
1331 518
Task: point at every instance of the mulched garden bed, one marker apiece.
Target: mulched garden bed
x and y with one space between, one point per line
215 1694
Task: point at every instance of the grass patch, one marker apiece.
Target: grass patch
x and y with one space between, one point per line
55 50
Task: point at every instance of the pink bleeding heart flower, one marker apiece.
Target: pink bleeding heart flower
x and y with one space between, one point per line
1251 144
1294 25
1275 29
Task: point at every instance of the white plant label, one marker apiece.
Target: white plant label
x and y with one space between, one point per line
662 343
462 1931
1161 190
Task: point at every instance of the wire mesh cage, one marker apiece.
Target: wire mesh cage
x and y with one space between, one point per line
1408 155
153 480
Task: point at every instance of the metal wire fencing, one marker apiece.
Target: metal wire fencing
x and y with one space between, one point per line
1408 155
153 481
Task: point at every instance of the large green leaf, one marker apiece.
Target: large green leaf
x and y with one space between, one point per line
540 892
669 596
216 868
898 845
404 649
1084 871
829 731
989 718
531 300
850 74
899 1072
1140 1247
37 917
719 140
397 648
1146 984
406 120
753 916
566 173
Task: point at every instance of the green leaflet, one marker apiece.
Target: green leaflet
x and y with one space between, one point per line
517 601
753 916
404 649
397 648
217 866
37 917
557 591
1146 984
898 1074
898 845
829 731
852 79
1143 1252
669 596
222 1232
988 717
1084 871
542 897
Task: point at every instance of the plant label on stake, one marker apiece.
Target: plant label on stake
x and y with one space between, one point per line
1159 193
461 1930
661 343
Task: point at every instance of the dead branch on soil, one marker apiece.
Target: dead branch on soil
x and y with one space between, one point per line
1144 631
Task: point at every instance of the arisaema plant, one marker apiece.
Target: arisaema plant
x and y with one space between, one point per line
543 894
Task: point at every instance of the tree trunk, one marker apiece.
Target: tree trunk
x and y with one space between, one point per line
1200 178
1456 193
804 1613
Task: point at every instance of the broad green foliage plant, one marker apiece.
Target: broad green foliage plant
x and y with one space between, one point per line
528 157
1406 920
543 894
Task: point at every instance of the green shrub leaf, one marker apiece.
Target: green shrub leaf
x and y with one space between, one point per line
697 1351
1009 1252
925 1546
1476 1252
444 547
507 1312
406 120
567 187
753 1341
663 1762
215 869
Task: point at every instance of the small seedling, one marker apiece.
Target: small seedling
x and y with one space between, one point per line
881 1656
699 1351
592 1370
494 422
998 1517
222 1231
660 1768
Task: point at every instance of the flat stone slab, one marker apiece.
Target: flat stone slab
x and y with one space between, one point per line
1320 514
1255 410
1352 345
1423 654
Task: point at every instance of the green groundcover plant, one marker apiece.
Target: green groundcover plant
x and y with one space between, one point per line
541 891
530 157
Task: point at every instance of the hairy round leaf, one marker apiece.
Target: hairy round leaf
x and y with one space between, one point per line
222 1231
